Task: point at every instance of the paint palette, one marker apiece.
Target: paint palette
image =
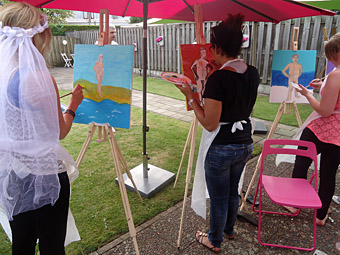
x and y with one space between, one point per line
297 87
175 78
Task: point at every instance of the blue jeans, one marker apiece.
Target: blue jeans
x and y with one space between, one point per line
223 168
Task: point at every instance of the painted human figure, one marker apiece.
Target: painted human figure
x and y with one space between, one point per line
294 72
99 69
201 69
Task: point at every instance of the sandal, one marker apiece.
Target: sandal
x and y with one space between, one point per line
230 237
201 236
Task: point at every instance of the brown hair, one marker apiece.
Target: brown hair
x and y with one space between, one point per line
227 35
333 46
26 16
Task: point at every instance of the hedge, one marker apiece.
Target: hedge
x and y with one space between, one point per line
60 29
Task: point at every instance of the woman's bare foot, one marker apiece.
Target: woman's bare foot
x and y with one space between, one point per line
293 210
322 222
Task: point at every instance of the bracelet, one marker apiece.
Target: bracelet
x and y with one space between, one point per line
190 102
69 111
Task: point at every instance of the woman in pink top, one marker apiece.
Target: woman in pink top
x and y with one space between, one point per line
323 130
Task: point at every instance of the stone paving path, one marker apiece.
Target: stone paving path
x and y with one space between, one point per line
159 234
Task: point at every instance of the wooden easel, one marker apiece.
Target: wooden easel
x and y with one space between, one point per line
192 131
282 109
108 132
118 160
103 40
103 36
115 151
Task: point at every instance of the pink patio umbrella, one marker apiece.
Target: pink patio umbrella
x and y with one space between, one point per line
253 10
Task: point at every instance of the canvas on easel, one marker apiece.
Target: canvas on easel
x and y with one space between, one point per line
291 67
329 67
106 74
196 65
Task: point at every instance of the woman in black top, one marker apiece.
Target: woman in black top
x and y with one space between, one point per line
230 95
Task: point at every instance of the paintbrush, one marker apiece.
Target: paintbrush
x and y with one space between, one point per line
66 95
69 93
321 79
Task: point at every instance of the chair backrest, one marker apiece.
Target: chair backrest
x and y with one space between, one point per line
307 149
310 150
65 57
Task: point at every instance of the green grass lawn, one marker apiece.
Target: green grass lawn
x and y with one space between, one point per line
267 111
96 201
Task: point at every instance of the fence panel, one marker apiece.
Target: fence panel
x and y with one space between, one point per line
58 47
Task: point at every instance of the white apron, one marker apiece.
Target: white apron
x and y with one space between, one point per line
199 191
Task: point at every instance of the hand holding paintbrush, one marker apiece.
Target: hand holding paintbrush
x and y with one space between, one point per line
76 99
316 83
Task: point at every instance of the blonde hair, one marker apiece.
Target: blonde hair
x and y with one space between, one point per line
26 16
333 46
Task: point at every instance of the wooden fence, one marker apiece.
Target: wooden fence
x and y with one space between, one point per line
58 47
268 36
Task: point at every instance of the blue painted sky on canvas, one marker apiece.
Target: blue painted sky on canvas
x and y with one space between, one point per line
307 59
115 74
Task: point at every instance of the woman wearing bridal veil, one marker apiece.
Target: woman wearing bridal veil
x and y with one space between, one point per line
35 170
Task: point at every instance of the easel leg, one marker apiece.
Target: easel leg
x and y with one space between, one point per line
101 135
184 151
122 188
243 197
86 144
122 160
298 118
272 131
188 178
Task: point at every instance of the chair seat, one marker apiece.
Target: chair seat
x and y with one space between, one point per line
281 190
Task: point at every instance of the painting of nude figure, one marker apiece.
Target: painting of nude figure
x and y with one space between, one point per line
289 68
196 59
105 72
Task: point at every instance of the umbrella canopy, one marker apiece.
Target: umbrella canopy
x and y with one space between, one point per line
254 10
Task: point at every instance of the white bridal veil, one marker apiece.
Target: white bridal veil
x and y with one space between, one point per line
29 126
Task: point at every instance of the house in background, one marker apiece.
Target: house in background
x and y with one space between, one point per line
90 18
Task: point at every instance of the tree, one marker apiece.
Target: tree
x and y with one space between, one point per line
136 20
55 16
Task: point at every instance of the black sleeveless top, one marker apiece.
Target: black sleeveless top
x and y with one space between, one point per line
238 93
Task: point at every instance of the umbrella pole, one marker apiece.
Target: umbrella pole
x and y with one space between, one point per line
145 127
149 179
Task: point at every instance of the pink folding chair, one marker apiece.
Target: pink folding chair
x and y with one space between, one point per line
294 192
